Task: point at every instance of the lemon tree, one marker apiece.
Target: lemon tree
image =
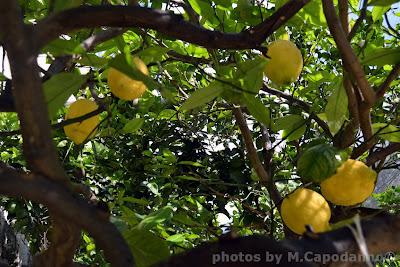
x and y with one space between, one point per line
305 207
228 130
352 184
123 86
78 132
285 62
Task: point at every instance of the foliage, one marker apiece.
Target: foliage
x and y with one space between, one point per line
389 199
172 166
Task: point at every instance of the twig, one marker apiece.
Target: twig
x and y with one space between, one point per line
381 154
363 14
394 73
263 175
394 33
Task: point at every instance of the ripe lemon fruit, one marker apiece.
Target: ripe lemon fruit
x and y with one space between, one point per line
123 86
78 132
305 207
285 62
352 184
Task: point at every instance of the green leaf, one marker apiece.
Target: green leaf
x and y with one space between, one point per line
197 51
60 5
120 63
202 96
259 111
336 109
59 88
61 47
313 13
2 77
156 218
318 162
293 126
140 201
382 2
203 8
153 54
387 132
133 125
378 11
93 60
177 238
120 43
147 248
182 217
250 73
382 56
191 163
186 177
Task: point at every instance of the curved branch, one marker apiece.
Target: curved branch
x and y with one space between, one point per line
381 154
265 178
170 24
64 205
38 147
381 234
351 62
394 73
357 24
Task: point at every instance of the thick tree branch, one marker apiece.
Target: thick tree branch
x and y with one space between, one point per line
351 62
165 22
64 205
394 73
343 14
381 234
39 149
254 159
381 154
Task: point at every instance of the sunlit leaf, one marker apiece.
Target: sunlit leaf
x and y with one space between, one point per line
202 96
59 88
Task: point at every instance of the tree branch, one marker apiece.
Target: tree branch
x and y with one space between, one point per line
363 14
38 147
254 159
343 14
394 73
351 62
163 21
381 154
64 205
381 234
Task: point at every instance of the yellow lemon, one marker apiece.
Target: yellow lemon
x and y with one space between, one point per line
78 132
123 86
285 62
352 184
305 207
